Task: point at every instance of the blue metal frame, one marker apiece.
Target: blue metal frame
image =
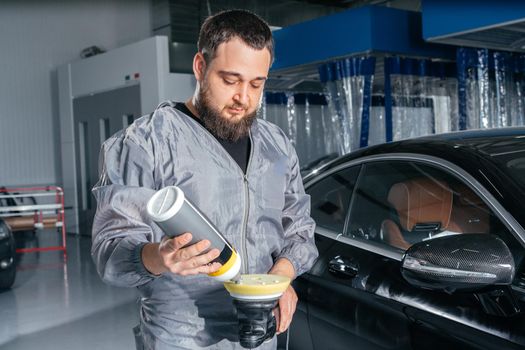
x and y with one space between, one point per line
356 31
442 18
280 98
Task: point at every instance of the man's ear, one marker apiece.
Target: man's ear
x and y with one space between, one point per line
199 66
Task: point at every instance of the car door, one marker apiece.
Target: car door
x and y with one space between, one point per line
331 198
340 313
356 294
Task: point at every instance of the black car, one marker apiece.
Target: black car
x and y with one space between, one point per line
7 257
421 246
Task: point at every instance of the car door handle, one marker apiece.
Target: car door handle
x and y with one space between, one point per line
343 267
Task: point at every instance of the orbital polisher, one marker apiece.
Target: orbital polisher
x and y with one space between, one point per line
254 296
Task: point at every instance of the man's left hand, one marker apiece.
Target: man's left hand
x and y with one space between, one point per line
285 309
288 301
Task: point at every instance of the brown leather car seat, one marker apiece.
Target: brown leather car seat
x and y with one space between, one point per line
469 214
420 204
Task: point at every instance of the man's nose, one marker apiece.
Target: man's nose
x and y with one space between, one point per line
241 95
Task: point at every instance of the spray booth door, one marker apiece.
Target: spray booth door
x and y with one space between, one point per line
96 118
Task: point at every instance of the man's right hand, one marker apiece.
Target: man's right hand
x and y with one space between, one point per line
172 255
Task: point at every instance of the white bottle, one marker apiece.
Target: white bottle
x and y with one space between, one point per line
175 215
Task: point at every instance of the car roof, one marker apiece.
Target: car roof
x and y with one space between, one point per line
442 145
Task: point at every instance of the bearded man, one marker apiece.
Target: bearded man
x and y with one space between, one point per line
241 172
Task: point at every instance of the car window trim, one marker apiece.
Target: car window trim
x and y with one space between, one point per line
384 250
515 228
352 200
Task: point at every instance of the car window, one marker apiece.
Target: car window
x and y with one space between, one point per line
399 203
330 198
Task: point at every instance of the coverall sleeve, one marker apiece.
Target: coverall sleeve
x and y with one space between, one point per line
121 226
299 247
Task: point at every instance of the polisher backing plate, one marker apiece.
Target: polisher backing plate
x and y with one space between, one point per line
258 285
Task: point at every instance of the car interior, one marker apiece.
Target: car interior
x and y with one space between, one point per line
400 204
331 199
426 208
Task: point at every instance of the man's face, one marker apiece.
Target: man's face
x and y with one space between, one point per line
231 88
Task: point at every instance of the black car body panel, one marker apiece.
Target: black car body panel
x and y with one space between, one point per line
385 308
377 308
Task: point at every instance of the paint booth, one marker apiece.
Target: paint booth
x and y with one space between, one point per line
99 96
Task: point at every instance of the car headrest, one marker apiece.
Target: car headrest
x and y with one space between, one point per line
467 197
420 201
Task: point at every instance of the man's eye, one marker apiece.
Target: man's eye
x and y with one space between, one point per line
257 86
228 82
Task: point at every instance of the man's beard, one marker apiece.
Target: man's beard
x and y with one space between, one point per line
220 126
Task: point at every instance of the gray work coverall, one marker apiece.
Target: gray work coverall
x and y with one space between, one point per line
265 214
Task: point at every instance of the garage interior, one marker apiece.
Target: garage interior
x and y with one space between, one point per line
348 74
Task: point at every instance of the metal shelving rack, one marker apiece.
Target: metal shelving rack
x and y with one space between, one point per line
21 216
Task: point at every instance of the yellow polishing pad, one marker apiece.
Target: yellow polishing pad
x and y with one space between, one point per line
258 285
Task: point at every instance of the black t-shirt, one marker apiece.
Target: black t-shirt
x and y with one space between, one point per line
238 150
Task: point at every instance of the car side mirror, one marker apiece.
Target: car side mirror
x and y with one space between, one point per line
463 262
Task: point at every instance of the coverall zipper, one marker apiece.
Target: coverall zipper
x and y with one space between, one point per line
245 226
244 257
244 250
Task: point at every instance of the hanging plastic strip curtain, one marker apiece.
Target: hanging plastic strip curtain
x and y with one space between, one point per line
305 120
518 101
291 115
420 97
473 77
377 125
491 88
348 88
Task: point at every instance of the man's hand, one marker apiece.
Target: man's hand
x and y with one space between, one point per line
288 301
172 255
284 312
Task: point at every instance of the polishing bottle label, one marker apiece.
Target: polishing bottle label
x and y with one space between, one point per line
175 215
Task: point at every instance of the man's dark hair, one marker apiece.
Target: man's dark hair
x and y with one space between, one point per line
225 25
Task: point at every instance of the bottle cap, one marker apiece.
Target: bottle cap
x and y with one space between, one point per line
165 203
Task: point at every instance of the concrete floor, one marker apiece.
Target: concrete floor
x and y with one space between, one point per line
64 305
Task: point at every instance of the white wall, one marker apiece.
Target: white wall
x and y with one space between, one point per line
35 38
